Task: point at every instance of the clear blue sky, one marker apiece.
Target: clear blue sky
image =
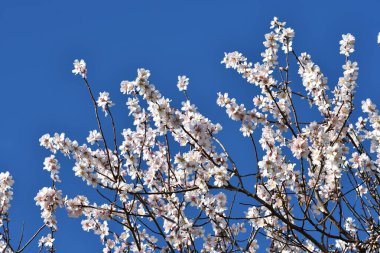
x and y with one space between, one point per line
40 39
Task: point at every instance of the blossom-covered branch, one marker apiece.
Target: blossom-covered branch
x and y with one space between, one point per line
170 184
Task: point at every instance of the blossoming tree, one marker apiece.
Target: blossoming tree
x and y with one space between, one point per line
170 185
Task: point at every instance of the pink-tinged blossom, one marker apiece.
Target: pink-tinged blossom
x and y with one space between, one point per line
286 37
46 241
127 87
93 137
80 68
171 169
299 147
247 129
347 44
104 101
6 193
75 206
232 60
183 82
368 106
51 165
275 23
49 199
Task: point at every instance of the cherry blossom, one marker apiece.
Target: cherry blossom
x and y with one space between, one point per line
80 68
183 82
168 181
104 101
347 44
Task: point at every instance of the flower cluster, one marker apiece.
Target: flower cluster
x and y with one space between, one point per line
6 193
51 164
347 44
49 199
323 144
173 186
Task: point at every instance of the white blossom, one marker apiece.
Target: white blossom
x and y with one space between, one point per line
80 68
104 101
347 44
183 82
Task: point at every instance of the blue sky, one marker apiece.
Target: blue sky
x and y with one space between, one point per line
40 40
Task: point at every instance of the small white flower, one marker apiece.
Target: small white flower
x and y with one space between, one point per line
362 190
299 147
104 101
183 82
46 241
347 44
126 87
80 68
339 244
349 225
232 60
93 137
